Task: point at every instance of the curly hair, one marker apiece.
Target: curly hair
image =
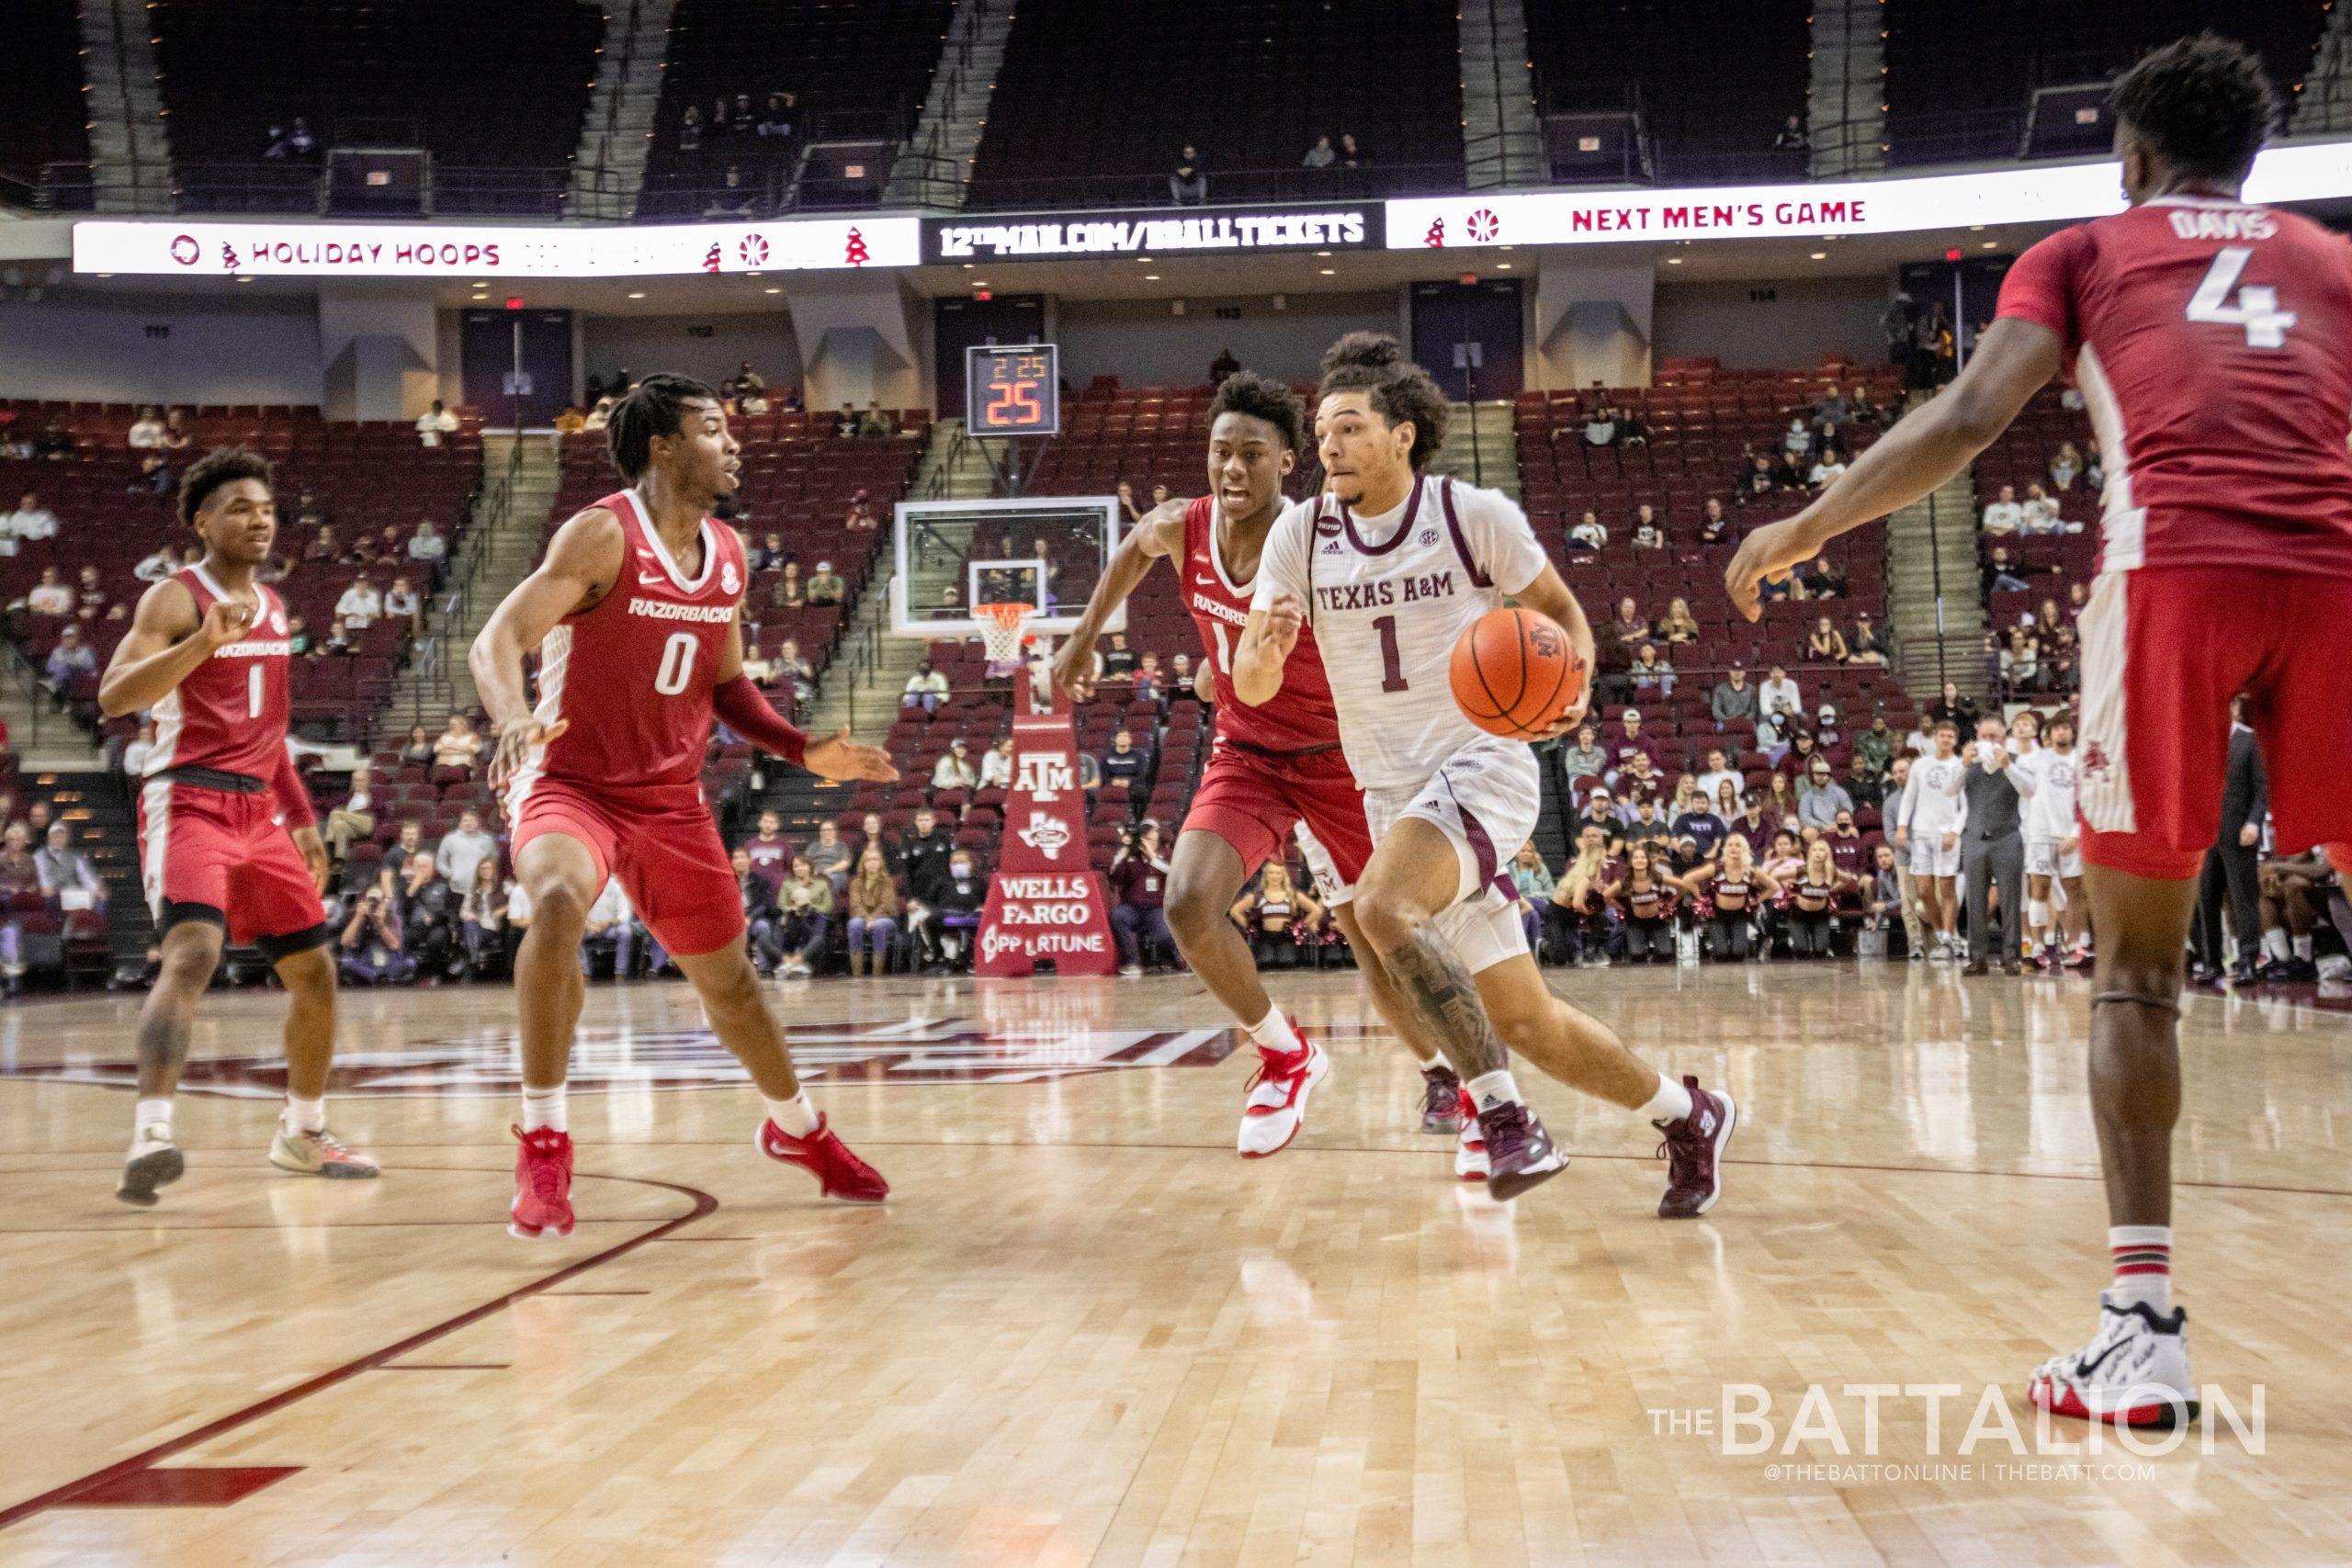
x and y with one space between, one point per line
655 406
222 464
2204 103
1260 397
1401 391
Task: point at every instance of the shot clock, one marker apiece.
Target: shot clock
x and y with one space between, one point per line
1012 391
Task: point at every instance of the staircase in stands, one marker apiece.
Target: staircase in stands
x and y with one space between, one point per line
2324 102
1502 141
608 167
1845 99
43 739
935 164
519 482
1480 448
101 811
1929 545
130 159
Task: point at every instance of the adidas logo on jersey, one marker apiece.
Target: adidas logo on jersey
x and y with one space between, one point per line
1331 547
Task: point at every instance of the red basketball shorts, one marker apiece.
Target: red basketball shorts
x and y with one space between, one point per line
2163 650
207 852
662 845
1253 801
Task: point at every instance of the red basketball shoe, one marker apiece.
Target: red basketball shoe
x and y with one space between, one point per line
542 1209
840 1174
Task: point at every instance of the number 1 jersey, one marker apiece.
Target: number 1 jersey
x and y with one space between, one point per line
632 675
2212 344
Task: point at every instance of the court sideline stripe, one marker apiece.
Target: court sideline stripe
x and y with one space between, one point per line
705 1205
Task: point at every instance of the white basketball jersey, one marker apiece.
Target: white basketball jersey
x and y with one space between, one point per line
2050 813
1387 598
1935 804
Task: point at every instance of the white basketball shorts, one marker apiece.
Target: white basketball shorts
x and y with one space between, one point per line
2042 859
1486 799
1929 856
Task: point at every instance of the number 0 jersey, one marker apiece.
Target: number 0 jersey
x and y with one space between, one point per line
2212 343
1387 597
632 675
1300 719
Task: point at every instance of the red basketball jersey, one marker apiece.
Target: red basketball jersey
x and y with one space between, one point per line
229 714
2212 343
1301 717
633 674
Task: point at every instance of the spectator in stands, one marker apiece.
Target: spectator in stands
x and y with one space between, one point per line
954 770
356 817
1159 498
428 914
1759 477
690 128
147 430
1585 759
1868 644
1826 643
829 857
31 520
2040 513
1630 743
433 424
1320 156
762 920
463 849
1714 526
1647 534
1119 661
877 422
360 604
771 852
1630 629
872 912
775 116
1937 356
1678 625
996 767
1351 153
845 422
861 518
1732 698
2021 661
611 932
457 746
1822 798
1791 471
1797 440
1792 137
1188 186
2001 573
1875 747
926 689
400 603
371 945
1139 882
1123 763
67 878
807 900
1532 882
1601 425
158 565
90 593
481 920
1652 673
1225 365
788 594
1147 678
70 657
323 547
825 585
141 746
1589 534
2065 467
1779 692
426 544
954 915
1827 469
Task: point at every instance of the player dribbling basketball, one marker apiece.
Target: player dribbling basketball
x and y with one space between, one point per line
1274 769
1389 569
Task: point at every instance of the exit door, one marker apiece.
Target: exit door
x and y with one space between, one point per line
1469 335
517 366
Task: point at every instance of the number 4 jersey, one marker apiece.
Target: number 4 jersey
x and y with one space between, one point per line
2212 343
631 676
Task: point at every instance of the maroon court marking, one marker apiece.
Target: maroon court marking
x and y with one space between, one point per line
129 1473
447 1367
214 1486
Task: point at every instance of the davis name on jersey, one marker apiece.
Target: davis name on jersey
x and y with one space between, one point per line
1300 718
1387 598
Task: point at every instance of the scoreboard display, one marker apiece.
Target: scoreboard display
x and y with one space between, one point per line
1013 392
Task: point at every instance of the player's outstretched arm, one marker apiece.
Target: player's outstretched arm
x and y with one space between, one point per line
2014 359
1159 531
582 562
166 645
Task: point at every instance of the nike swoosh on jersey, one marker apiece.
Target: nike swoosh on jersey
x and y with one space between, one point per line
645 580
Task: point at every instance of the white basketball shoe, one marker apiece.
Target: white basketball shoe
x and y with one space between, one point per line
2135 1373
1276 1107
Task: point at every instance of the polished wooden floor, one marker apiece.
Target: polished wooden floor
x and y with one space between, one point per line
1083 1332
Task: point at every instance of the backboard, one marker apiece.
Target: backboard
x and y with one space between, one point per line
1049 551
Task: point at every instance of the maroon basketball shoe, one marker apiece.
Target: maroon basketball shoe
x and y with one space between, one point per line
1693 1148
840 1174
1519 1152
542 1209
1440 1100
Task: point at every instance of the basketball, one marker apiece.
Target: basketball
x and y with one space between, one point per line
1515 673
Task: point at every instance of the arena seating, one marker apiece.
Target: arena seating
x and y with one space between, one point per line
2050 563
1093 103
482 87
857 66
1958 79
40 81
371 481
1713 82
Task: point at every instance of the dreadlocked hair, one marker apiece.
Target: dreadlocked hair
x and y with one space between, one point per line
1260 397
655 406
1401 391
222 464
2204 103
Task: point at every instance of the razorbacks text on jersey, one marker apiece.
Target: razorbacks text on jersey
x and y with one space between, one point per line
1387 597
632 675
2212 343
230 714
1301 717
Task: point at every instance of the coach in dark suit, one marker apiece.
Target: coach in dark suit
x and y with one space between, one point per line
2233 862
1992 851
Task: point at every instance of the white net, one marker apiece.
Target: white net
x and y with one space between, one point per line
1003 628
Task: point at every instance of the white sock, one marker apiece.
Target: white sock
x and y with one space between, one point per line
2037 916
545 1108
304 1115
155 1114
2143 1256
2302 945
1491 1090
1273 1033
796 1115
1670 1104
2274 943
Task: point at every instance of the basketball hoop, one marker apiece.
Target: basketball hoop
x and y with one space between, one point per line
1002 628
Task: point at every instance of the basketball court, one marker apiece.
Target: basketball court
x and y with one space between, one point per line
1083 1332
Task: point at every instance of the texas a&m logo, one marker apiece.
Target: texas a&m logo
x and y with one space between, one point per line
1044 775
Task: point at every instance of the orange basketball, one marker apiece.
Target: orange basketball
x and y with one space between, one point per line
1515 673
